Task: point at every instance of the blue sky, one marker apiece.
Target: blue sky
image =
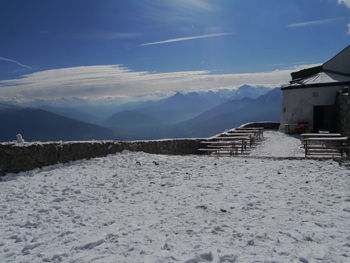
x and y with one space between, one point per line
89 48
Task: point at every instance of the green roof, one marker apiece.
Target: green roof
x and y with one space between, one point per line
306 73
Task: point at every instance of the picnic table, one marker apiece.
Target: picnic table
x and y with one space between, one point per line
257 132
233 141
233 145
320 135
325 145
229 136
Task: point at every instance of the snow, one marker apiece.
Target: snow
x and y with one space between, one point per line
325 77
278 144
138 207
19 139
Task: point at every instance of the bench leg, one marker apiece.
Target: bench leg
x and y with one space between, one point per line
305 149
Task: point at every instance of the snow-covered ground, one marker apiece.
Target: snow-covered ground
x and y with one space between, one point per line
278 144
138 207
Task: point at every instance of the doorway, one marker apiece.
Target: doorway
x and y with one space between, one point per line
324 118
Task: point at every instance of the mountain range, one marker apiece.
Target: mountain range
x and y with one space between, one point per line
193 114
231 114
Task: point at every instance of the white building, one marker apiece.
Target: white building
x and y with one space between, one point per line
310 97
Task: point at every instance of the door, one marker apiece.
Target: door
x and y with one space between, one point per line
324 118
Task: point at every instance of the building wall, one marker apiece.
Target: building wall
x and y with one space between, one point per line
297 104
343 113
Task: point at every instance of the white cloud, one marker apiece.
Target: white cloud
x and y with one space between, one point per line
345 2
185 39
15 62
349 28
118 81
316 22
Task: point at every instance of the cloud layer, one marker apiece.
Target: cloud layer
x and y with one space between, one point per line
118 81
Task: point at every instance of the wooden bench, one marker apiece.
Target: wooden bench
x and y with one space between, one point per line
320 135
237 143
325 145
240 136
260 130
231 144
255 133
229 151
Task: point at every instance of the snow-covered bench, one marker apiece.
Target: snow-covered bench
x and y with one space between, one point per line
258 133
231 145
320 135
325 145
258 130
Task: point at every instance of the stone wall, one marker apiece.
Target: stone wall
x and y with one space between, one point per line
268 125
16 158
343 112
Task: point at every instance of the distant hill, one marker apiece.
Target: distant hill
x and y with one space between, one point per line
130 118
139 125
231 114
155 119
72 113
184 106
194 114
5 106
40 125
247 91
133 125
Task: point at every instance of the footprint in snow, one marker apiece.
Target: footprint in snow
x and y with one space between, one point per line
228 259
206 257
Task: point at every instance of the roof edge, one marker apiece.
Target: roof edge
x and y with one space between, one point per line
308 72
336 55
317 85
304 73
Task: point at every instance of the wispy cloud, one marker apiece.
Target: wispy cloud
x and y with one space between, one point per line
345 2
185 39
193 4
349 28
114 35
119 81
179 12
100 35
316 22
15 62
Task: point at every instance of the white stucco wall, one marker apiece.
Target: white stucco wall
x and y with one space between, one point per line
297 104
